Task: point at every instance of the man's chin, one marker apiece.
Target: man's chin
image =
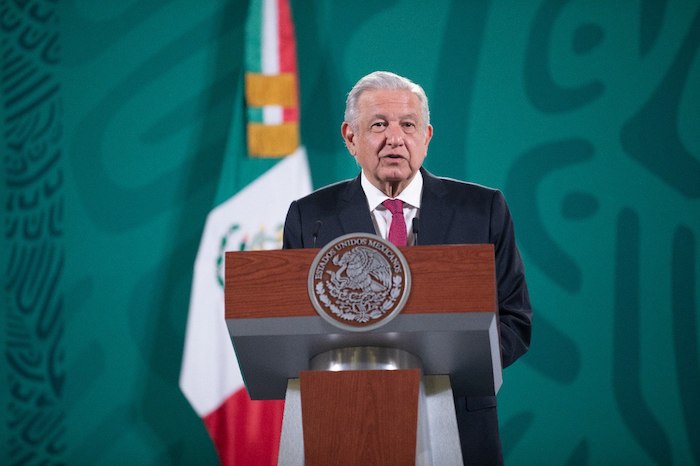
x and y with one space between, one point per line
396 176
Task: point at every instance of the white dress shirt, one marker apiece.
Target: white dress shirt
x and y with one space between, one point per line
381 217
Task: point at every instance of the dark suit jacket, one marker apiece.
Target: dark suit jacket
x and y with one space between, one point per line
451 212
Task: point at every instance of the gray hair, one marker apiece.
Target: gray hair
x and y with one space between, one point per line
383 80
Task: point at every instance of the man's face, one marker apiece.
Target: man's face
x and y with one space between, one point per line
390 140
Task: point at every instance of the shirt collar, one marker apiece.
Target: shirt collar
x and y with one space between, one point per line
410 195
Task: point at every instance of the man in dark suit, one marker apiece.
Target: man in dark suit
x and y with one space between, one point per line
387 129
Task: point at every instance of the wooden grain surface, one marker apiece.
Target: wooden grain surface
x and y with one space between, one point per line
450 278
360 417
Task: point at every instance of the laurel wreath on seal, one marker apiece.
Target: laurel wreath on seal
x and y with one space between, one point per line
358 306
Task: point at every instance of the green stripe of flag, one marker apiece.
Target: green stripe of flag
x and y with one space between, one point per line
253 37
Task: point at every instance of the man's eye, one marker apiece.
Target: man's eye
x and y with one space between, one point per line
409 126
378 126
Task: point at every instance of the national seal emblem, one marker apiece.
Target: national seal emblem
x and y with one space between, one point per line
359 282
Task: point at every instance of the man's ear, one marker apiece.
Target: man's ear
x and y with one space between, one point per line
428 135
348 137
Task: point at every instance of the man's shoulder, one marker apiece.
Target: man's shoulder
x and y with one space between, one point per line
452 183
327 194
458 188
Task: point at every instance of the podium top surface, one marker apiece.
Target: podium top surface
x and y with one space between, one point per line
445 279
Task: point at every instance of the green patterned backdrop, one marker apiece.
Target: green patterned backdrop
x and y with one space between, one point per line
586 113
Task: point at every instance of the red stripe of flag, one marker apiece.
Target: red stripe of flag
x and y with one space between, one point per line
287 43
287 52
246 432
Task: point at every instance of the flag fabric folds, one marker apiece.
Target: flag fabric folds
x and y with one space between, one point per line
250 215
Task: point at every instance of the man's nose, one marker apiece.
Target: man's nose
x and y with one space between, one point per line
394 135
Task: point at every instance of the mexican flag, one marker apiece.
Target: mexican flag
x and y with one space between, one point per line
264 169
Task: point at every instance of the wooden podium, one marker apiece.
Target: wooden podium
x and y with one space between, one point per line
378 397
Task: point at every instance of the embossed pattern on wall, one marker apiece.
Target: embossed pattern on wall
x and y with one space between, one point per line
33 232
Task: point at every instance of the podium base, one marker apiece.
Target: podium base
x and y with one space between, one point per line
437 435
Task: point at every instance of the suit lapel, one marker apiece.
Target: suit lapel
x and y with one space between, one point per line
436 211
353 212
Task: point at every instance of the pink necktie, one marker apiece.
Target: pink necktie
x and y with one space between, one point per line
397 230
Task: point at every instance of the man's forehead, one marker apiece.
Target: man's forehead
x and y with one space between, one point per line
403 94
382 102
